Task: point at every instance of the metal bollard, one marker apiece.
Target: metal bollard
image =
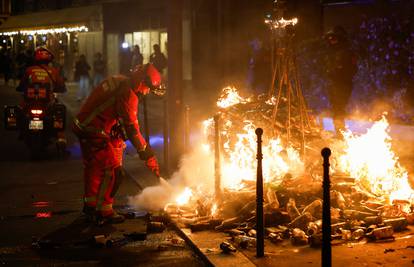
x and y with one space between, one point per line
166 137
259 197
217 167
326 213
187 128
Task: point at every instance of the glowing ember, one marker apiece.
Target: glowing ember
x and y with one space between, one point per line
230 97
184 197
271 101
214 210
370 159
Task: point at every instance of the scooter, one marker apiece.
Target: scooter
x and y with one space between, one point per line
38 121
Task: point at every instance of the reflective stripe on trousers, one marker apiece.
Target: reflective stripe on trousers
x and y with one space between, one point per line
101 158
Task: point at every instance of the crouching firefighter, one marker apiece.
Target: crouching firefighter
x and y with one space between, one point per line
110 110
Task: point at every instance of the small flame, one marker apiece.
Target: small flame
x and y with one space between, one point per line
184 197
230 97
214 210
271 101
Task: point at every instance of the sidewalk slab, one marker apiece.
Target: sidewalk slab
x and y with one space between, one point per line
207 245
395 253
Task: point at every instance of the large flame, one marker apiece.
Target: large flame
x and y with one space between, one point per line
238 162
370 159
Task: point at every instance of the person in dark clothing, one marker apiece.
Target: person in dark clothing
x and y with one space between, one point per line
158 59
23 61
137 57
99 69
340 68
82 76
258 71
125 61
6 66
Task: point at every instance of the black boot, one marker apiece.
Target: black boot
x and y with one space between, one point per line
114 218
90 213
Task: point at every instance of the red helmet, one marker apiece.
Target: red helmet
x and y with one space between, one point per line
146 76
43 54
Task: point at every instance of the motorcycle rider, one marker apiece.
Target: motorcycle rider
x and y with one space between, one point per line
48 80
110 110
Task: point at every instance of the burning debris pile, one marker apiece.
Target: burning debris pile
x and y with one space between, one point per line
370 195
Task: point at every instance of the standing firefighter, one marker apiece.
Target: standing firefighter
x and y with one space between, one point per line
340 68
111 109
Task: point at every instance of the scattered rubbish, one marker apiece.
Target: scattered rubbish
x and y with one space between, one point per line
155 227
45 244
314 227
357 234
136 236
118 242
389 250
275 237
243 241
397 224
382 233
298 238
226 247
135 214
315 240
196 227
178 241
100 240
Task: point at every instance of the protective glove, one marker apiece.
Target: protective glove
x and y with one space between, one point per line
152 164
146 153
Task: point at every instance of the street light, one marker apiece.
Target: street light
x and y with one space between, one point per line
125 45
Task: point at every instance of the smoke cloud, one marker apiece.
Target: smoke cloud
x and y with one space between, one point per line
196 170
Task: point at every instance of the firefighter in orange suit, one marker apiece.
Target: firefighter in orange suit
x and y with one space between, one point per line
47 80
110 110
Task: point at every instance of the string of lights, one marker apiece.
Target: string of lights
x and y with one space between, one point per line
280 23
46 31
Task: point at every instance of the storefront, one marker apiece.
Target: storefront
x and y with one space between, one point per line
133 23
67 32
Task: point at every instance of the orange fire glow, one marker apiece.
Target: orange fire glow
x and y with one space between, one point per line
184 197
230 97
369 158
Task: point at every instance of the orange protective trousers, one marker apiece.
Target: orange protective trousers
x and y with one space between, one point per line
101 157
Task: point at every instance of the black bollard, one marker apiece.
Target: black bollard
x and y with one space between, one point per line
217 167
326 213
259 197
187 128
166 137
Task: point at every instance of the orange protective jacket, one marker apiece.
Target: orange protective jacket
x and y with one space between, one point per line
111 101
42 76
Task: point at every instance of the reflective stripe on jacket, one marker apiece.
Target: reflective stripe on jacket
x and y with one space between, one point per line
109 102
